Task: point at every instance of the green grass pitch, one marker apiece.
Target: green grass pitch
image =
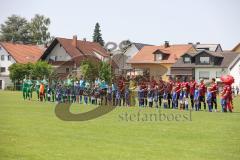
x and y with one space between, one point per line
30 130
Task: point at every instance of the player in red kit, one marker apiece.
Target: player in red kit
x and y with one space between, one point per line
192 86
121 88
153 82
214 89
203 89
185 84
169 88
145 91
161 86
226 94
178 88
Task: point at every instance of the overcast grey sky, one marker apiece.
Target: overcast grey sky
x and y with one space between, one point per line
146 21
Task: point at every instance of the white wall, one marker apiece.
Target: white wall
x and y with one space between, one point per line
235 72
4 76
60 52
130 52
99 56
6 81
212 72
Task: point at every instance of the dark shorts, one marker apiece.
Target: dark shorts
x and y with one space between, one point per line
202 99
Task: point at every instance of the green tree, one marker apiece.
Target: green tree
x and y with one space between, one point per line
105 72
41 69
18 29
39 29
90 70
18 72
38 69
97 36
14 29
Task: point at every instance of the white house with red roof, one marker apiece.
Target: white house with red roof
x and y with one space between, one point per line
11 53
66 54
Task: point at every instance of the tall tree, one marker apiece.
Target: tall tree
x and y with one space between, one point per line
41 69
105 72
97 36
15 28
90 70
39 29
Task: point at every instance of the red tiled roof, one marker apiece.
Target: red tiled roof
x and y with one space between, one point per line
146 54
83 50
23 53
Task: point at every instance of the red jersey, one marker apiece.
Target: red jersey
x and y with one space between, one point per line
192 86
121 85
169 86
202 89
178 87
153 83
227 92
214 89
185 85
161 86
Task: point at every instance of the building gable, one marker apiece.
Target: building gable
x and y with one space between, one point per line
131 51
4 53
58 53
219 48
198 58
159 55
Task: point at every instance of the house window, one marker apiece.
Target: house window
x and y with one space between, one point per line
67 70
9 58
2 57
204 75
3 69
218 74
187 59
159 57
205 60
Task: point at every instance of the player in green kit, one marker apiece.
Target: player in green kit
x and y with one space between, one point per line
69 88
53 89
30 88
37 86
24 87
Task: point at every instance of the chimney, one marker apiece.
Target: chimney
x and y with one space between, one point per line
166 44
74 41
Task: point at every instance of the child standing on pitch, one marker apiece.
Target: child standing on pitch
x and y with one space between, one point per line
181 100
150 96
165 99
109 95
127 96
140 96
174 98
118 98
196 98
185 98
41 92
209 99
156 94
